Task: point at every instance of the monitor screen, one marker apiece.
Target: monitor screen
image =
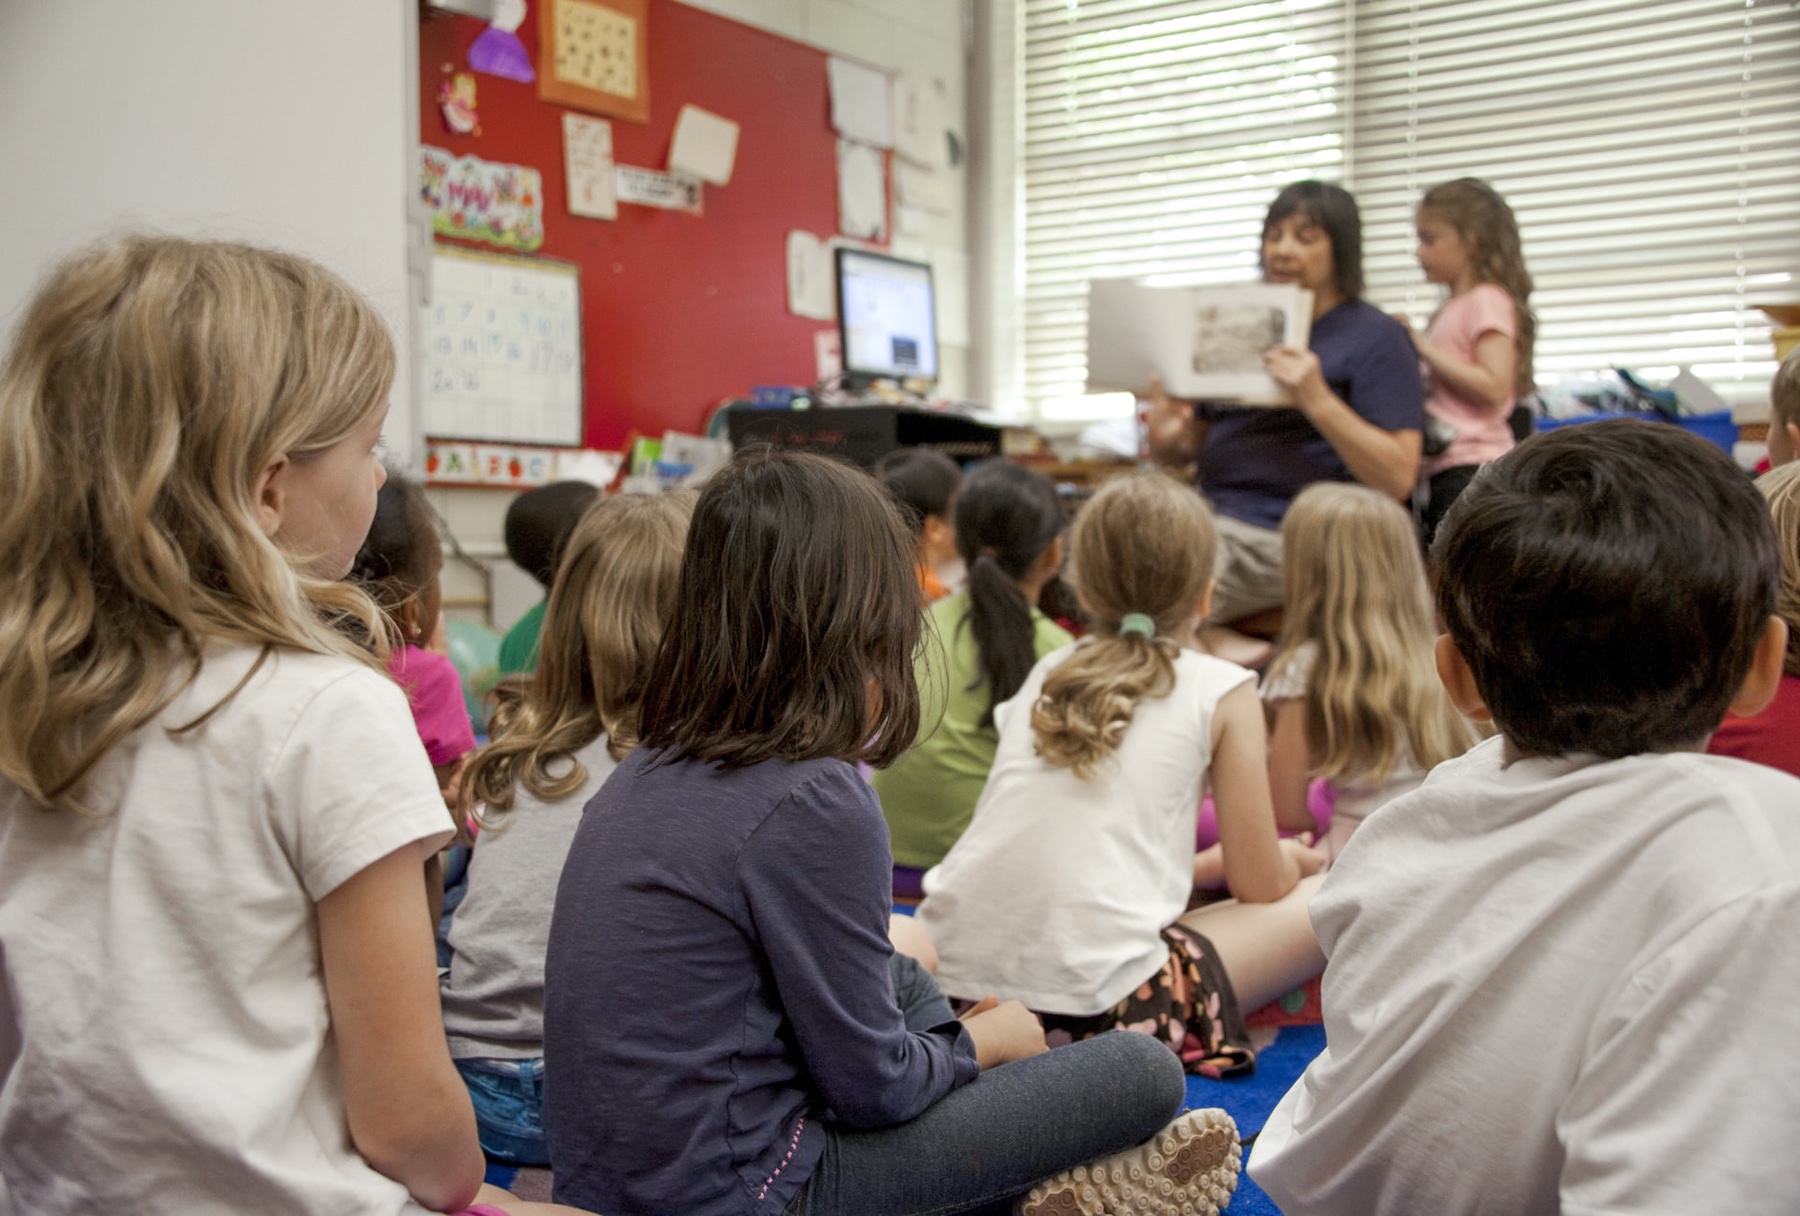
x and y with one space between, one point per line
886 316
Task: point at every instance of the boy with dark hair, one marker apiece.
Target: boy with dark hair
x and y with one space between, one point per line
1561 974
538 525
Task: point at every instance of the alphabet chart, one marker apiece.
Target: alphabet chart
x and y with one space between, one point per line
502 341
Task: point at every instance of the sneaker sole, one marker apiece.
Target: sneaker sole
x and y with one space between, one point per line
1189 1168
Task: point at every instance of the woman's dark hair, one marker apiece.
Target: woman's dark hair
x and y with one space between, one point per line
1607 585
797 591
1333 210
922 480
398 557
538 524
1006 516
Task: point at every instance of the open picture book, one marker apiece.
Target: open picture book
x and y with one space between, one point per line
1206 343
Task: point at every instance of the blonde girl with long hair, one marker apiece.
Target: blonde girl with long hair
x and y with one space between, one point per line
1069 890
558 735
1353 694
218 992
1476 353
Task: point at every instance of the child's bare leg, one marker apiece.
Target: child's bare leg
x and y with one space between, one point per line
909 937
506 1201
1266 949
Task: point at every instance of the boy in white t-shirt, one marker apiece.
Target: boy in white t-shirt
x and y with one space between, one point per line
1562 975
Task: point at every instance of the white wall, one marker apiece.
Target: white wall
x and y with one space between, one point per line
285 124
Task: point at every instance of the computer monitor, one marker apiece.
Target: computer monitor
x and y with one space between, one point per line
887 317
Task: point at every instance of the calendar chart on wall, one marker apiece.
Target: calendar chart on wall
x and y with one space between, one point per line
502 342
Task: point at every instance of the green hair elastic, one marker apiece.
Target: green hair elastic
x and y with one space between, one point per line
1136 622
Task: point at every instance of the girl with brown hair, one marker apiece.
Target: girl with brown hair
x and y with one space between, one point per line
1476 355
724 1030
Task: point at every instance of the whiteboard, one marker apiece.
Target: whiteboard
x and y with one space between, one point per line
502 349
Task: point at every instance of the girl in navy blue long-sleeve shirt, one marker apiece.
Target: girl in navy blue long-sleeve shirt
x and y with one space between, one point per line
721 1016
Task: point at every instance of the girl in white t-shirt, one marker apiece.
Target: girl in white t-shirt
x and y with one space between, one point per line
218 993
1069 890
1476 355
558 735
1353 694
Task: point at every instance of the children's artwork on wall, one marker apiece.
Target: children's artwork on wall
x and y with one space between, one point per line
595 54
650 188
926 189
448 463
456 99
919 122
479 200
862 192
497 49
811 291
588 166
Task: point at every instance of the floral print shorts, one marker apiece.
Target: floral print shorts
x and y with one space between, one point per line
1188 1004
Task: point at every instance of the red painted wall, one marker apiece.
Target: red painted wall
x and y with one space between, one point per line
678 311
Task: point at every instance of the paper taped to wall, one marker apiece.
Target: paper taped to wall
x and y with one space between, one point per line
861 103
588 164
810 289
705 146
862 192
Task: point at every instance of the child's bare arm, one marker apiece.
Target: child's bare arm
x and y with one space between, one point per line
1209 867
409 1114
1003 1033
1489 379
908 937
1257 868
1290 764
1173 433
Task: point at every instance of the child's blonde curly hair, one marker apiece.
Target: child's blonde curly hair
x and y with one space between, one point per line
1142 546
150 382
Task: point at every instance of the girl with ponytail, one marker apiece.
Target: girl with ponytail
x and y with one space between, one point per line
979 646
1069 890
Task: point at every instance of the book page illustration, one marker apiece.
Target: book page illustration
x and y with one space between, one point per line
1207 343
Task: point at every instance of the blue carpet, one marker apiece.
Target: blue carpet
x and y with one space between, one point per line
1251 1099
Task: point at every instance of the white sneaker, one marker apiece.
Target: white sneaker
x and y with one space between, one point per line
1189 1168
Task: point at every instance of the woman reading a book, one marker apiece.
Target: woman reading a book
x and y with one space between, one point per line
1357 408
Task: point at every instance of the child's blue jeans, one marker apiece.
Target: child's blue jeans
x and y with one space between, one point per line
509 1108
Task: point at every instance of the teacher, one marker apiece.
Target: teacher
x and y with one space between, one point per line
1358 406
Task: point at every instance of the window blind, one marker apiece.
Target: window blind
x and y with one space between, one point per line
1649 148
1154 136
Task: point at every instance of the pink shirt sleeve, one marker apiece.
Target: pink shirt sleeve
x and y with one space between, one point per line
434 690
1485 309
1482 433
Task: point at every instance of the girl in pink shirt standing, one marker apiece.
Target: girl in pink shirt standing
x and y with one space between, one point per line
1476 355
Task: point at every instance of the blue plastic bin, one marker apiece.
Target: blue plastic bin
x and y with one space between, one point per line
1716 428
